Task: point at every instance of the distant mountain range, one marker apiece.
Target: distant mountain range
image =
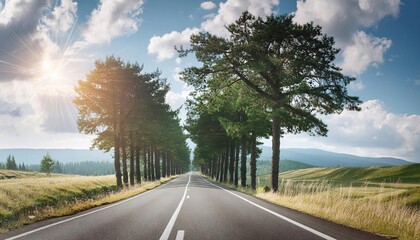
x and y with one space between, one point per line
34 156
321 158
314 157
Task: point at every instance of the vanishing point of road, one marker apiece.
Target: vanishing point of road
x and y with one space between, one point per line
188 207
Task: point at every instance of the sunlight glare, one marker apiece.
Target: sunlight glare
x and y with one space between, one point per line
51 70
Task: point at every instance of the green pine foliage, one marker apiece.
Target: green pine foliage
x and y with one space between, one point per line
269 70
47 164
125 108
11 163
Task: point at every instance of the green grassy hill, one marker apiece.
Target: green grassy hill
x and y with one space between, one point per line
264 167
404 174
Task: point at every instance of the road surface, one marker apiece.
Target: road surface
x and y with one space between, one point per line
188 207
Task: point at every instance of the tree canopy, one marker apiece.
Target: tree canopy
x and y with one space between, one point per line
47 164
288 68
126 109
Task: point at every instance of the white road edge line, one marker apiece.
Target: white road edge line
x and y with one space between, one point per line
83 215
180 235
320 234
168 229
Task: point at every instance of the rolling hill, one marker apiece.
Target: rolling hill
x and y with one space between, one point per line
264 167
313 157
403 174
34 156
321 158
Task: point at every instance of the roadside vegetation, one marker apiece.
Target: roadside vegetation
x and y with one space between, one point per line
28 197
382 200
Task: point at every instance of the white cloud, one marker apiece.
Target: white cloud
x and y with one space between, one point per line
21 42
62 17
113 19
164 46
38 115
209 16
43 105
176 99
417 82
207 5
228 12
357 85
342 19
36 108
365 51
374 131
175 74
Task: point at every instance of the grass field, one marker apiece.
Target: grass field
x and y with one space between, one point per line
29 197
10 174
401 174
383 200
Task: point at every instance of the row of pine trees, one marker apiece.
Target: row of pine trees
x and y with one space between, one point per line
270 77
11 164
125 108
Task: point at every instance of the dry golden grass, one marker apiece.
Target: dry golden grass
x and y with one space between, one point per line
383 209
12 174
379 210
26 200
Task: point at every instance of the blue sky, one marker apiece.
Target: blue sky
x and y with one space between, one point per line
46 46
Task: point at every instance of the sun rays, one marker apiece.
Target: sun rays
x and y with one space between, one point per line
38 70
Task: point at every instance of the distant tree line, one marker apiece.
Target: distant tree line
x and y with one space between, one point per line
270 77
126 109
87 168
11 164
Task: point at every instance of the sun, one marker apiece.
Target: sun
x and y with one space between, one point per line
51 70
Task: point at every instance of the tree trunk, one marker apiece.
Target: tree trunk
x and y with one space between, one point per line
276 154
149 167
164 157
131 159
124 159
122 137
218 168
243 162
117 164
157 163
236 164
173 163
232 160
138 174
145 173
212 168
169 165
253 162
152 164
226 157
222 169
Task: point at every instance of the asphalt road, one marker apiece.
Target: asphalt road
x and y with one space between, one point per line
189 207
